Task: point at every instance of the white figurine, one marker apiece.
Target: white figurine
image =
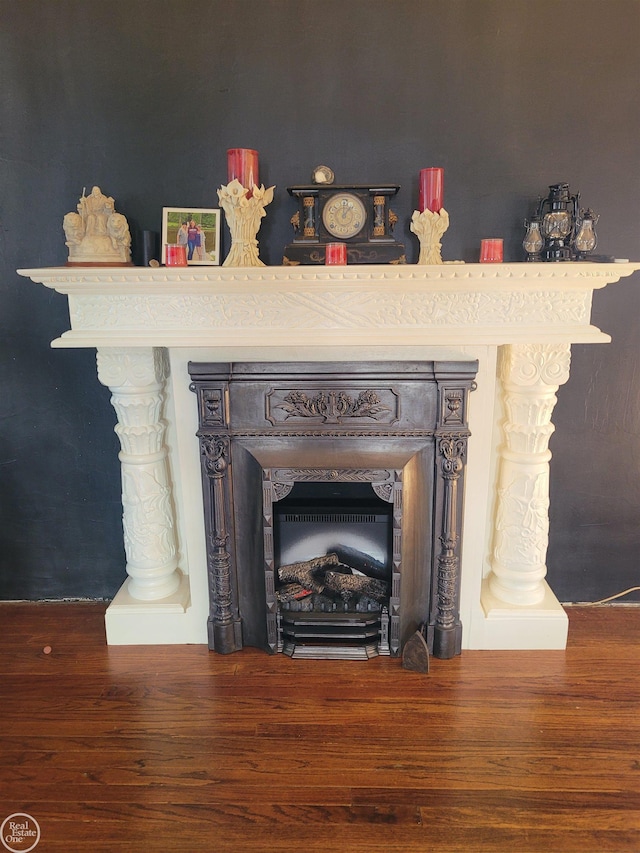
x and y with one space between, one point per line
96 234
429 228
243 214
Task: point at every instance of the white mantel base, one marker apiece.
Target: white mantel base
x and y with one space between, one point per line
517 320
129 621
535 626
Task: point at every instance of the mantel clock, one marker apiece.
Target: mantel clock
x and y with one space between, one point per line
357 215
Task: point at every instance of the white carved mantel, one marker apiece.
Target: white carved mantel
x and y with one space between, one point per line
517 320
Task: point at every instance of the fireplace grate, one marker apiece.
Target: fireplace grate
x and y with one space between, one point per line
350 636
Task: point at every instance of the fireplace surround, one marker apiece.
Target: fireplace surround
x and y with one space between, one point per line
517 321
266 429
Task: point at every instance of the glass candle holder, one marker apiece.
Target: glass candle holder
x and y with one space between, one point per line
175 255
491 250
335 254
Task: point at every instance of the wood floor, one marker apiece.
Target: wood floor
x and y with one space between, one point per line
173 748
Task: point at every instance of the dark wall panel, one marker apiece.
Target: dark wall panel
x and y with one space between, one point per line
143 99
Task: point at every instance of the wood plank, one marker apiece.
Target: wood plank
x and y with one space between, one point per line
172 747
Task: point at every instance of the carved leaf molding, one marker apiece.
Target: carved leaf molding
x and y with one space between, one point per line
333 406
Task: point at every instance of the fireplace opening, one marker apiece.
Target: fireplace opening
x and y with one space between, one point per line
333 556
316 518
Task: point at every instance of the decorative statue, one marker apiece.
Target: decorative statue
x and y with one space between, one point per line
244 211
96 234
429 228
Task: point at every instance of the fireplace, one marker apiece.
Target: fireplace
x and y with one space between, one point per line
333 504
516 321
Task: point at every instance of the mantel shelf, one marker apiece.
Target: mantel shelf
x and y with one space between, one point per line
388 305
65 279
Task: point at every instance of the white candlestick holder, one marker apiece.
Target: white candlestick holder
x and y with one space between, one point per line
429 228
243 215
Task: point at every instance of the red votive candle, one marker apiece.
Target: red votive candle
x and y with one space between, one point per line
335 253
242 164
431 189
491 250
175 256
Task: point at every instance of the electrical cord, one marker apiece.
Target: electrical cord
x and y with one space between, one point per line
611 597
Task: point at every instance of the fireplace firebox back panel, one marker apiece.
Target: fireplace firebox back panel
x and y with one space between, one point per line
375 453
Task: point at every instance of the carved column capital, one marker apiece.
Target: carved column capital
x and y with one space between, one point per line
132 367
528 365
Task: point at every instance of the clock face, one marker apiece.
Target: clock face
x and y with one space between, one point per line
344 215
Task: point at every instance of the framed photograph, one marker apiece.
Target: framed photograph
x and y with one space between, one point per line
195 228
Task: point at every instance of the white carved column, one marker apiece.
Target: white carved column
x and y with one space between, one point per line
530 374
136 377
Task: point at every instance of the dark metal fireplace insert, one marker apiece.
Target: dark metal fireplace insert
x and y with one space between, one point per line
332 499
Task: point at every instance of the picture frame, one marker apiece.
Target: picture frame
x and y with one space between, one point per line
202 240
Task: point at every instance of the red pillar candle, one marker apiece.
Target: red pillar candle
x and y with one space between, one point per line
335 253
431 189
242 164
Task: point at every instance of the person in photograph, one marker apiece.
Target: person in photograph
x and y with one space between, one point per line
193 232
182 236
202 254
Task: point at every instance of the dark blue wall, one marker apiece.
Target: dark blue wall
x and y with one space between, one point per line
144 98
